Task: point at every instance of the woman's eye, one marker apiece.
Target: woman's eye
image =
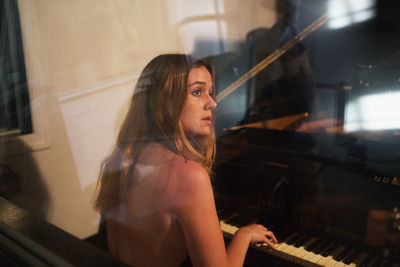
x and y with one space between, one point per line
196 92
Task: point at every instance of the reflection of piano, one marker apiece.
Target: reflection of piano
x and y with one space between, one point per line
334 201
292 163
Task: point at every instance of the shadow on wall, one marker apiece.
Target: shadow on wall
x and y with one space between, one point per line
21 182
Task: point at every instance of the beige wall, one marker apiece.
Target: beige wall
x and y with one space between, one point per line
83 58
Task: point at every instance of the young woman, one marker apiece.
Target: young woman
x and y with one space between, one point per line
155 187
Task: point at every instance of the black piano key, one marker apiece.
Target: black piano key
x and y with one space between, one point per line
309 244
343 254
352 257
282 236
324 245
301 241
357 244
378 263
232 219
328 251
294 239
314 245
244 217
222 214
280 233
242 221
367 261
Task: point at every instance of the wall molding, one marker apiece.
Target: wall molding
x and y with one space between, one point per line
78 93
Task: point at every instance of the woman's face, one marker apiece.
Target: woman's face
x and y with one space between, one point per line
196 116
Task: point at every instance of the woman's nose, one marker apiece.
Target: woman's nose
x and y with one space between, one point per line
211 104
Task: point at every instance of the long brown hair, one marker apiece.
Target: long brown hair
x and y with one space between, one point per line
153 116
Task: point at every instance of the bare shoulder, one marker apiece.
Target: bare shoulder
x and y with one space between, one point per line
192 184
174 168
190 174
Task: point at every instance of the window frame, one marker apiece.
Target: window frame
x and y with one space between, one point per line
38 87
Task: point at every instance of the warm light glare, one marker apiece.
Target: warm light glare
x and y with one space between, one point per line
374 112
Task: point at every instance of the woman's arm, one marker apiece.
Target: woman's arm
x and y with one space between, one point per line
195 210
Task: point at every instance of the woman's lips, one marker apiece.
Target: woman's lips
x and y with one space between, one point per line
207 119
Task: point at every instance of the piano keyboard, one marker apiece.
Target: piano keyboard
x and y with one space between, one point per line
311 251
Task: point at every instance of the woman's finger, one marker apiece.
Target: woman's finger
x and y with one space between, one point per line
271 236
270 243
266 243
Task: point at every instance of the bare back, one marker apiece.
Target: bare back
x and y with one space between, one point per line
143 230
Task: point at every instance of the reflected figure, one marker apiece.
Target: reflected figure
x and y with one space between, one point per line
155 187
286 87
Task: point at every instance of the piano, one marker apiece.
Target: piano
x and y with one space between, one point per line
308 135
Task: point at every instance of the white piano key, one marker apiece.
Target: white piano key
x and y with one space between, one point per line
295 254
283 245
273 251
307 258
312 260
285 249
301 255
230 229
324 261
279 248
289 253
226 227
335 264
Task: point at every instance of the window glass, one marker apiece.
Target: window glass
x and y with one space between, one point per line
303 97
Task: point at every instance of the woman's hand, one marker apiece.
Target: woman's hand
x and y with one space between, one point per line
259 234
